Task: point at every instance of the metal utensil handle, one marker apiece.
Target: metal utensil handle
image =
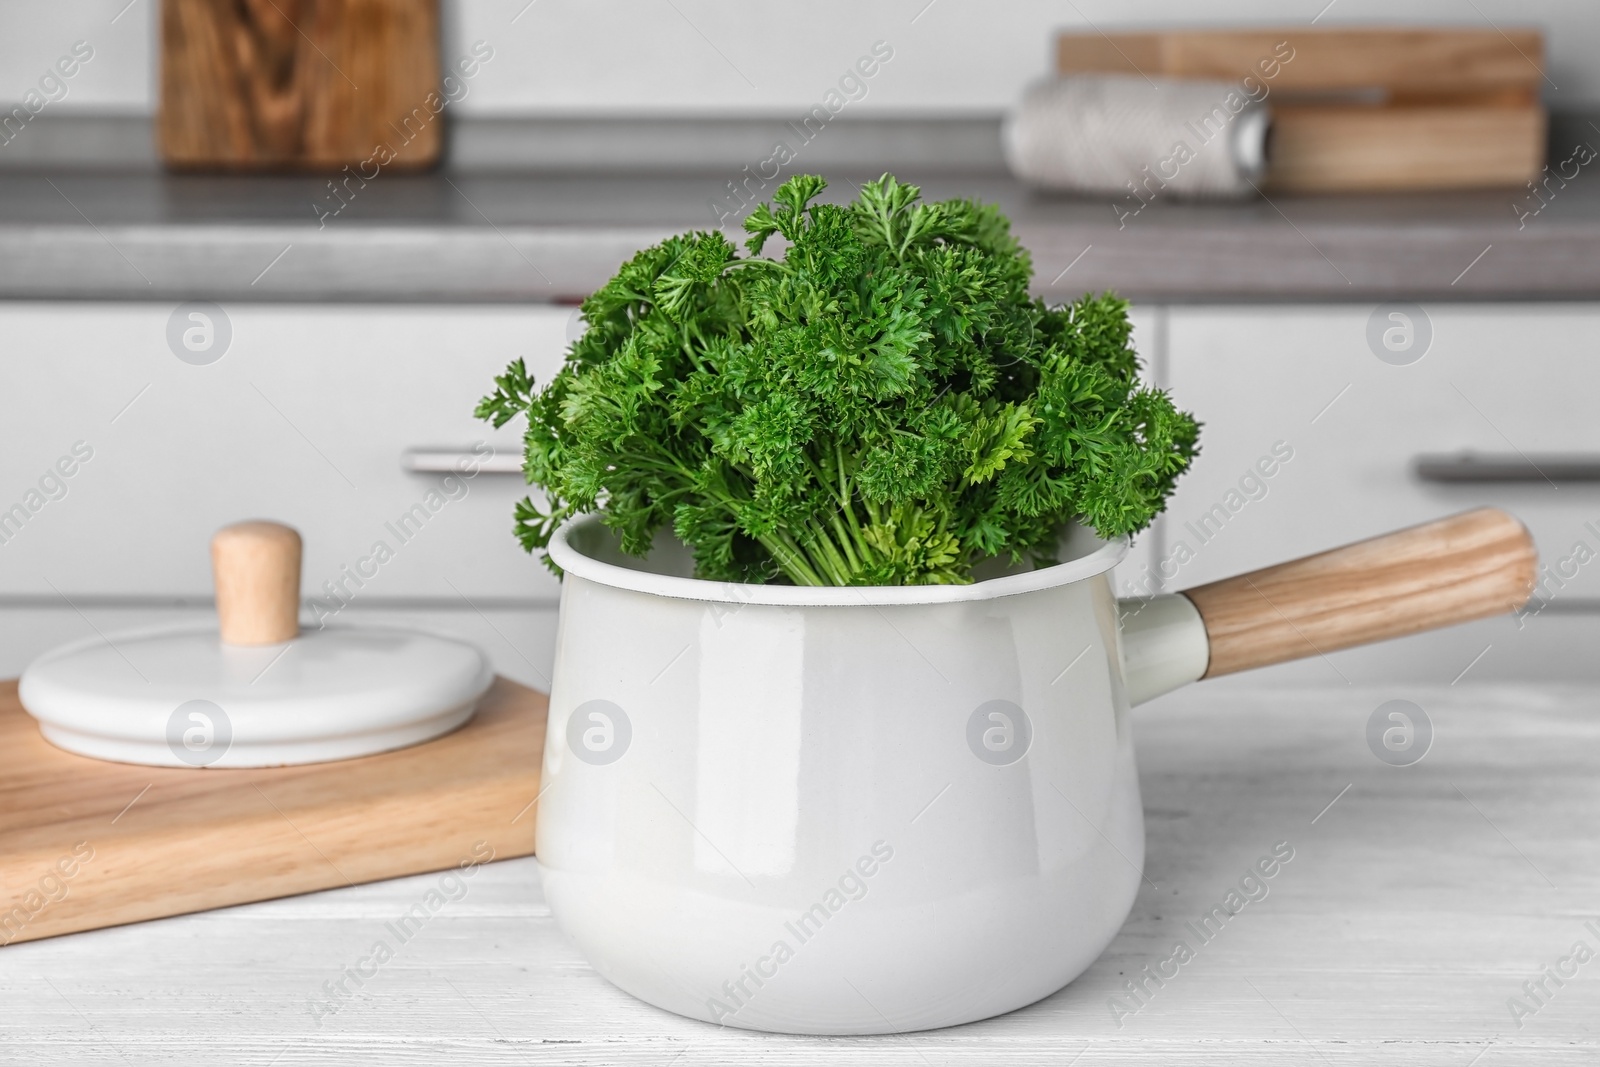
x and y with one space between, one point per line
459 461
1471 468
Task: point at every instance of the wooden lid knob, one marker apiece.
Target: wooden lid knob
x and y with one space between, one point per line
256 569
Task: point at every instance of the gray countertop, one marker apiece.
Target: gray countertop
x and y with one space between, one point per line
506 236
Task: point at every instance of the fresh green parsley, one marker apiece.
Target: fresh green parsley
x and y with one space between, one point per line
882 405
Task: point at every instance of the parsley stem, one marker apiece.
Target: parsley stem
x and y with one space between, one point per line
845 543
844 479
790 558
827 554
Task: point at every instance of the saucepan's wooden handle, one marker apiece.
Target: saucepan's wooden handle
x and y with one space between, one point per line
1464 567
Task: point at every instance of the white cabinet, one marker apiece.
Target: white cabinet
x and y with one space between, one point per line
1309 442
1147 325
304 419
1299 392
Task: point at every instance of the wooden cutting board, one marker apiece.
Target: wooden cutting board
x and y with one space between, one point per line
86 844
300 85
1323 149
1409 62
1362 109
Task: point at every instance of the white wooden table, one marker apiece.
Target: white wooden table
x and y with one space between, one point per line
1415 906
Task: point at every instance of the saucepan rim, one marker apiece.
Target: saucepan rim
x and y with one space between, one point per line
573 561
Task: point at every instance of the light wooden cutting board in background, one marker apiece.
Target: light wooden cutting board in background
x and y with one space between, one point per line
298 84
1363 110
148 842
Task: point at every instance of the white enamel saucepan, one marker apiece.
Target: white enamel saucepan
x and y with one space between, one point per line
867 810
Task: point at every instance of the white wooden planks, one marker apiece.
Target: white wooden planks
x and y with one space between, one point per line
1413 908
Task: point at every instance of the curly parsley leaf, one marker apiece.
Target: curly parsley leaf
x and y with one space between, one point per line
885 404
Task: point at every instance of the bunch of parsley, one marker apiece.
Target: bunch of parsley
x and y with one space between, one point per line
883 405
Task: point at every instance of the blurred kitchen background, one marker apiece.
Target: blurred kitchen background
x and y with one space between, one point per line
198 347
